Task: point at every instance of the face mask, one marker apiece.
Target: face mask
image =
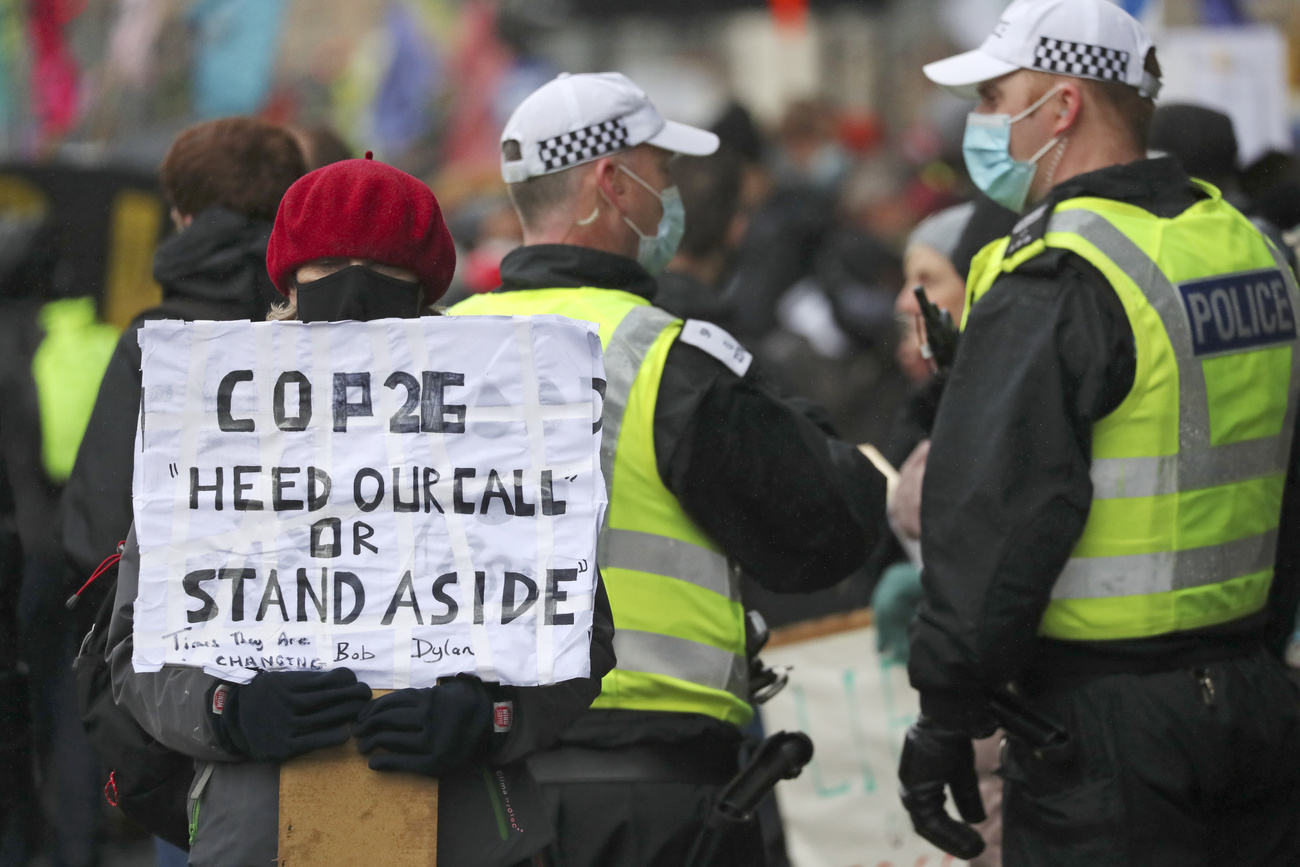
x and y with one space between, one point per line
357 292
987 149
655 251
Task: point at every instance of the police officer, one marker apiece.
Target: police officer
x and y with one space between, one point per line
705 469
1104 497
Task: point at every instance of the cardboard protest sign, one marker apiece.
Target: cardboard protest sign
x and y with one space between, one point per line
410 499
844 810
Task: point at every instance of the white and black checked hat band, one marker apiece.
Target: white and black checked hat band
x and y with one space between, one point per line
584 144
1081 59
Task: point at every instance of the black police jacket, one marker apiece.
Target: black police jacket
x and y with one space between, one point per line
1045 354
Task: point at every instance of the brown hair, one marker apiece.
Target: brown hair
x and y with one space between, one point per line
1126 105
239 163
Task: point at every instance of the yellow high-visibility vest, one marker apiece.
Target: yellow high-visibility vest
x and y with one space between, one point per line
67 367
1188 471
678 619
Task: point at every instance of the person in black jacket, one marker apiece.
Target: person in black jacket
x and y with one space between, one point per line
223 180
56 352
707 471
356 240
1185 730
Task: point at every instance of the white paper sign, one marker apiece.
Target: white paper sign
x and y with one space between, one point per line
1240 71
844 810
408 498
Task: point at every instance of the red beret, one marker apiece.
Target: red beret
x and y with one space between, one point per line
362 209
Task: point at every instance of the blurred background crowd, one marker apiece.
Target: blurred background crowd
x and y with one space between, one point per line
802 230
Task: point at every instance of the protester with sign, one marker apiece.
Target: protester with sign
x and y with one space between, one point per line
355 240
223 181
1110 498
707 471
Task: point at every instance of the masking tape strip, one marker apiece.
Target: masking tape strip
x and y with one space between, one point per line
537 452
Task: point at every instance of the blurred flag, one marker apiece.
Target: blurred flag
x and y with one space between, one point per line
1221 12
403 102
235 54
131 46
54 69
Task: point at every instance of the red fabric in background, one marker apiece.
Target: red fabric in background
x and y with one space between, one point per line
789 13
54 68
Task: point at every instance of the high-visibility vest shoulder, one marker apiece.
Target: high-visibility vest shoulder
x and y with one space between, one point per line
1188 471
678 619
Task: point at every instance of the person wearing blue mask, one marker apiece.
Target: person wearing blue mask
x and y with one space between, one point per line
1110 513
709 473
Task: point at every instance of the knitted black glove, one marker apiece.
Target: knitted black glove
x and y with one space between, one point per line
281 714
427 731
935 758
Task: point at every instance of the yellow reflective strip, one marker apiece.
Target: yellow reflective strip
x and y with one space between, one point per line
1158 613
634 690
654 603
641 501
605 307
1176 522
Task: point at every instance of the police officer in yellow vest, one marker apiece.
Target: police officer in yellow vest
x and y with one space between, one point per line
707 472
1104 498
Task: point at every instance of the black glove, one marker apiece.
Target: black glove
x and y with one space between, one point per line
935 757
427 731
281 714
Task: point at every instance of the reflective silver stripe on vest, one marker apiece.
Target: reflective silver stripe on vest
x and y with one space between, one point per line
661 555
1198 464
629 549
691 661
1143 574
624 353
1114 478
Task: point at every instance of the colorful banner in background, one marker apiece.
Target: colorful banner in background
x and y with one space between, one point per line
403 105
235 55
54 68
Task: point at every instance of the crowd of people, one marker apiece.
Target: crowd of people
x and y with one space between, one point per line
1068 409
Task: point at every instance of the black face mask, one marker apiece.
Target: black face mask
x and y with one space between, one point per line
357 292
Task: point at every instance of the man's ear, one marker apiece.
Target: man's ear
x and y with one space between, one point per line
610 180
1069 103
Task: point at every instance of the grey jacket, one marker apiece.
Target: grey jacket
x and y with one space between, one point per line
234 802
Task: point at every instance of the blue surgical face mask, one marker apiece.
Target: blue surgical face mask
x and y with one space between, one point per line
655 251
987 149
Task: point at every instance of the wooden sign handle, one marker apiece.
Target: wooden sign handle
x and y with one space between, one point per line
336 812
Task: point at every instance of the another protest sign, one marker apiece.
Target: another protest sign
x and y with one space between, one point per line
410 499
844 810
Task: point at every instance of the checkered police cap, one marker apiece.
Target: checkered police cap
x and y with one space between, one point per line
579 146
575 119
1085 38
1081 59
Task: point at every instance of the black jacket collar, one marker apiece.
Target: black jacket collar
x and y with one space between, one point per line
1156 185
1159 185
553 266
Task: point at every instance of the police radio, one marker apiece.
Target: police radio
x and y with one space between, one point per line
941 334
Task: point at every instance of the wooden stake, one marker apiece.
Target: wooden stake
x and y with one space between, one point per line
336 812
